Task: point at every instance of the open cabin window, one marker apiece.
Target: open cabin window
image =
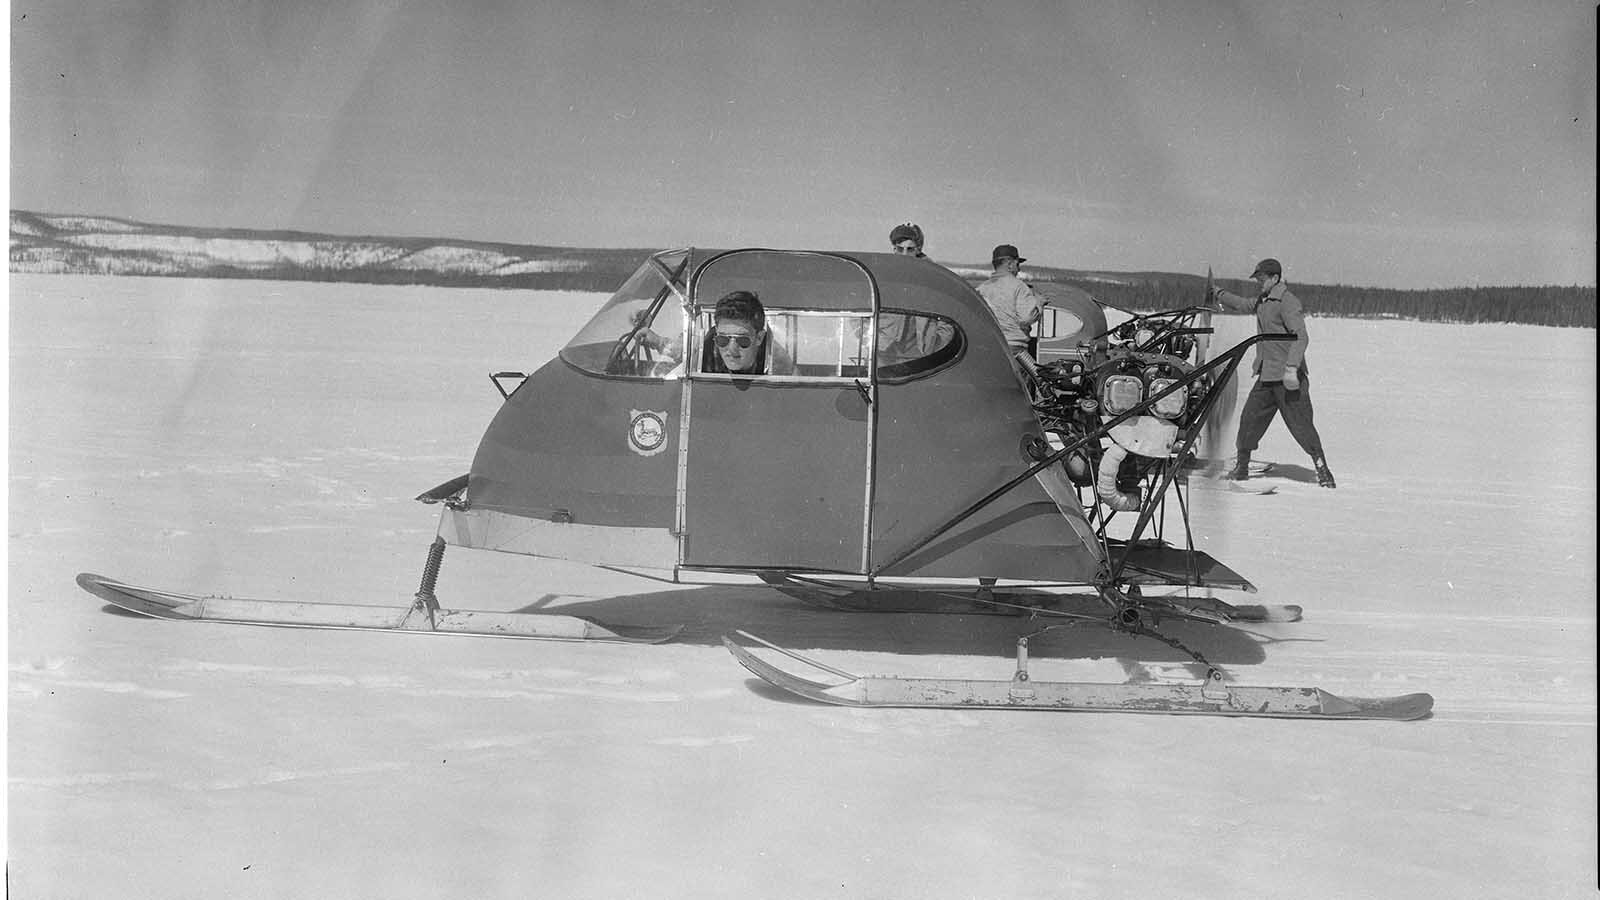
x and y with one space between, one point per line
802 344
817 344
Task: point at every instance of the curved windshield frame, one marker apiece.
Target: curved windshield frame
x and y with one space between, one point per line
630 335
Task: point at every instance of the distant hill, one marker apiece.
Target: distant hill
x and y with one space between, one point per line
55 243
42 242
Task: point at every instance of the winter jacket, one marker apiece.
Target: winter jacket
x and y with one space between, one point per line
1277 312
1014 304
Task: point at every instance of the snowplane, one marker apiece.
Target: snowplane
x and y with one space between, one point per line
903 462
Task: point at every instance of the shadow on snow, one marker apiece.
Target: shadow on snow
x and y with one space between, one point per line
708 613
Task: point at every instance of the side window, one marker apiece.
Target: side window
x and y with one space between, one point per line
910 343
826 345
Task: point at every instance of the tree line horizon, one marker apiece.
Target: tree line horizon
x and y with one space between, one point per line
40 243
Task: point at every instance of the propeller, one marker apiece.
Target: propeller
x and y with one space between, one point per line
1214 445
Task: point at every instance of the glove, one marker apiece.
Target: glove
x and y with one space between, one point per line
1291 380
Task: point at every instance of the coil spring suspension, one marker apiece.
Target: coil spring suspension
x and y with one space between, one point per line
430 576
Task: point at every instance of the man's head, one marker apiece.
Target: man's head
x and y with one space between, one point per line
1005 256
739 326
1268 272
906 239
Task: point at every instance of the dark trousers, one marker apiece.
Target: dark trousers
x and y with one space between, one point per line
1268 398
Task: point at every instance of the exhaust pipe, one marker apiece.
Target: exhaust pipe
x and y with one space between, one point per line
1106 487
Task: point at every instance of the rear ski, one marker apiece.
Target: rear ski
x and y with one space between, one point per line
422 617
1211 697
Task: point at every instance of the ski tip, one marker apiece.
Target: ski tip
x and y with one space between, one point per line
1400 708
99 585
1411 707
1425 704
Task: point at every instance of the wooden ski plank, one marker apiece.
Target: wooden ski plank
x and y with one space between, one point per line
175 606
1142 697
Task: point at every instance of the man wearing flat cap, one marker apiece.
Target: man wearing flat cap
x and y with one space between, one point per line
1014 304
1281 384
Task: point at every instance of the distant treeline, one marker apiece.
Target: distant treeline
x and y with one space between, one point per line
1570 307
55 243
590 281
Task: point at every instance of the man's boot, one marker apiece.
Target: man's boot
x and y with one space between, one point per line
1241 467
1324 474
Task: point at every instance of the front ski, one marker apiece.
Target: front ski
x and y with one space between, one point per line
415 619
1209 698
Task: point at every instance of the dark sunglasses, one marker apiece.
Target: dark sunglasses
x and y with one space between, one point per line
743 340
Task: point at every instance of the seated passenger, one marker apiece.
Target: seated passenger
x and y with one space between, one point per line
739 343
905 338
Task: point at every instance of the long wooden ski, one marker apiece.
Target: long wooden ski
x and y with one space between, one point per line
1209 698
414 619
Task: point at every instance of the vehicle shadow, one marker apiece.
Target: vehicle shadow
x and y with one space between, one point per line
709 613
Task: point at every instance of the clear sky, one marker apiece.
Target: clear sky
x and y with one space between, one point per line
1385 143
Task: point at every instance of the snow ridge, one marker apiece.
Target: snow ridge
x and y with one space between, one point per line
47 243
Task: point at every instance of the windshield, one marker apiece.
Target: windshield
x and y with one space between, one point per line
626 336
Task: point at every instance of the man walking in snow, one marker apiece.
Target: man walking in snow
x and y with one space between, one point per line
1281 384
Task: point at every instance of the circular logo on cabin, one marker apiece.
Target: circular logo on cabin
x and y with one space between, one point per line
647 431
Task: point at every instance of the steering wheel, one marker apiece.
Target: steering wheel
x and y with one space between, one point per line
622 360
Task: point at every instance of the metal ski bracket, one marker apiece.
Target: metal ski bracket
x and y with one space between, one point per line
1214 687
1020 689
422 610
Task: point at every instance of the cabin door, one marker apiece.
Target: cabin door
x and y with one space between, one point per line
774 469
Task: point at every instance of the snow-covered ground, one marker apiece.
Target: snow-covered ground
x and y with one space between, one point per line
265 439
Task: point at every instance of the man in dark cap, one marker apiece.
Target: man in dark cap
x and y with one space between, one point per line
1014 304
907 239
1280 369
906 337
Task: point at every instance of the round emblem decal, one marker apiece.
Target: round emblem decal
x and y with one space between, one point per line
647 431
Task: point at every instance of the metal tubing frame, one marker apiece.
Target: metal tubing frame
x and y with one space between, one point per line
1231 358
